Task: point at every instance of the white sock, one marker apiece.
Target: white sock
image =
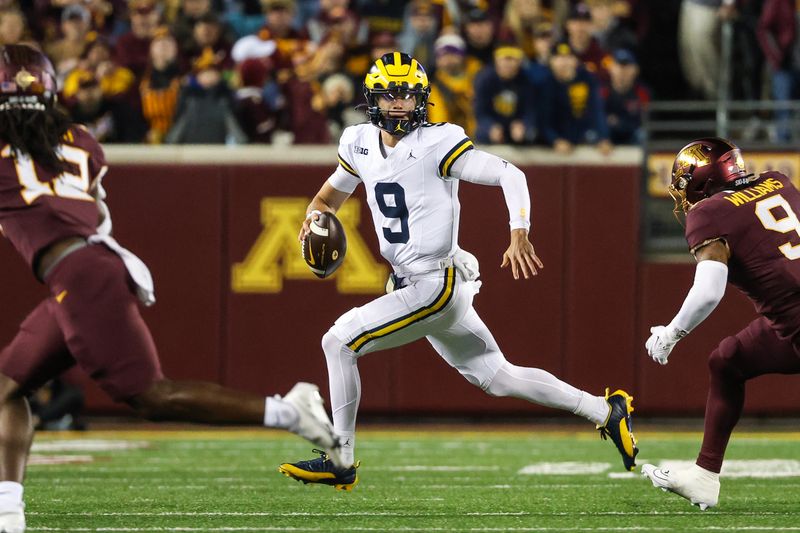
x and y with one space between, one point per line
594 408
348 449
535 385
705 473
280 414
10 492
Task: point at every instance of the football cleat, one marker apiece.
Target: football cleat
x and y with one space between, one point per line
322 470
313 423
696 484
12 518
618 427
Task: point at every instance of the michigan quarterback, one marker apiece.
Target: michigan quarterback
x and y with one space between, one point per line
410 169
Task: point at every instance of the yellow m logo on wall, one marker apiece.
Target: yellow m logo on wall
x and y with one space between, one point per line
275 255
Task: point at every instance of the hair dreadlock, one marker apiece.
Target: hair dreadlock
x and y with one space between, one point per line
36 133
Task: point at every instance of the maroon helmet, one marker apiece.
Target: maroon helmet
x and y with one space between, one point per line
27 78
705 167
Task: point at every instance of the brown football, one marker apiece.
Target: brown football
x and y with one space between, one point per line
325 246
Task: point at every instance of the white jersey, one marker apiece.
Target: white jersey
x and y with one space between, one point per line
413 199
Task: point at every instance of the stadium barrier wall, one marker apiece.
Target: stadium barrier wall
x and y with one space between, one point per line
237 305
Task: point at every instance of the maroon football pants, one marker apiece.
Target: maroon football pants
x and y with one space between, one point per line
92 318
753 352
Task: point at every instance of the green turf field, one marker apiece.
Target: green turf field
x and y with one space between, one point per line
415 480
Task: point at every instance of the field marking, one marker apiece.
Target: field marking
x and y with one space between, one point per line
436 468
36 459
563 468
734 468
423 529
351 514
88 445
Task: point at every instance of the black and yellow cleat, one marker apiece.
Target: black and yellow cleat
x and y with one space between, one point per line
618 427
322 470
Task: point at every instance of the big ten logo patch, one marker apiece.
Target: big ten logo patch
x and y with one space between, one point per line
275 256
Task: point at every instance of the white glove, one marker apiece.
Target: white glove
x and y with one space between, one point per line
662 341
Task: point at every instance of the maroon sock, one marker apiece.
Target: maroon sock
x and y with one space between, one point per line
723 408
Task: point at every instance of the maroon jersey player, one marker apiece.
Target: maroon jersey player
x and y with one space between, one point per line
52 211
742 229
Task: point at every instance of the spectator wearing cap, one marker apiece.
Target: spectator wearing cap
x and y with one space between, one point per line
452 84
66 51
608 28
205 112
571 110
421 29
520 20
133 48
504 100
160 86
625 98
478 31
579 29
538 68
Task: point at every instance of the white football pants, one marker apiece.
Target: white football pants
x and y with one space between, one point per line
437 306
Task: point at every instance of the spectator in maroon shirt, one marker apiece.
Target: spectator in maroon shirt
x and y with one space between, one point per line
133 47
256 117
579 34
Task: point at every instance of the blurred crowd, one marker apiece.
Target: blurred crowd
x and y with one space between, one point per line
555 73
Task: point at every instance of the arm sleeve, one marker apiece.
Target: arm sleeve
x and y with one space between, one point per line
710 279
477 166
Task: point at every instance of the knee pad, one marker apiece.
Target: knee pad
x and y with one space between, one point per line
724 359
332 345
496 386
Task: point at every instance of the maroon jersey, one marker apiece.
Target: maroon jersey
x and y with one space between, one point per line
39 207
761 226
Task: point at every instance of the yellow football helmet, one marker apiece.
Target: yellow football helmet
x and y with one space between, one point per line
397 75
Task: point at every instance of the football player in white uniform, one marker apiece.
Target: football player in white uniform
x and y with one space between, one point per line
411 170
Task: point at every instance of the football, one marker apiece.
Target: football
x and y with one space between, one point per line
325 246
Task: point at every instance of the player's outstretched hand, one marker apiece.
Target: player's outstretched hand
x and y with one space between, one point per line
661 342
521 255
306 229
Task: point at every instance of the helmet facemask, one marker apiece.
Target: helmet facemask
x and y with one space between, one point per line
383 118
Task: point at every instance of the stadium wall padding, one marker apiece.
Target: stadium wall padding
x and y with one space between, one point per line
220 238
